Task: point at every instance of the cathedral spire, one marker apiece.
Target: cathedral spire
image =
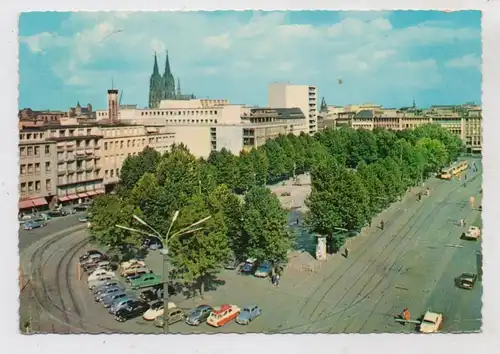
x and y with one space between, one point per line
167 66
155 67
324 106
179 87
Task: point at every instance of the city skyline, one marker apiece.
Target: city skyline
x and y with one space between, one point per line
387 58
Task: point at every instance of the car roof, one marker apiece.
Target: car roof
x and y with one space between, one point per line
249 306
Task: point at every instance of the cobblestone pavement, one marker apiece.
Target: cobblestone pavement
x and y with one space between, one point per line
411 263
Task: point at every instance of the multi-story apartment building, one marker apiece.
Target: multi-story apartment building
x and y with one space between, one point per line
281 95
122 140
37 168
463 121
78 161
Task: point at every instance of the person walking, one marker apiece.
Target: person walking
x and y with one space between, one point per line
462 222
382 224
277 280
346 252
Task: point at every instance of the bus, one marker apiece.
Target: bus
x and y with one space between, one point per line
453 170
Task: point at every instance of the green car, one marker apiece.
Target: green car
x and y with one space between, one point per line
145 281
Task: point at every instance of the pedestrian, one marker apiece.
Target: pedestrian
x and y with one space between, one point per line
462 222
297 222
370 223
382 224
346 252
273 280
277 280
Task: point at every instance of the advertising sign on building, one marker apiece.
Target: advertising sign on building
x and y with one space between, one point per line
321 248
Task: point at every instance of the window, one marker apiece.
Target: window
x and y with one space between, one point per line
62 133
30 169
133 143
30 186
117 172
106 173
89 131
47 149
60 180
111 173
47 167
30 151
121 144
37 168
47 184
23 187
128 143
22 169
22 151
37 186
28 136
105 146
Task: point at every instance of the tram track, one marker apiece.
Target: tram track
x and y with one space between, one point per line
60 310
367 247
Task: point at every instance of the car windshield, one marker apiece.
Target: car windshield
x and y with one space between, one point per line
157 305
246 309
428 322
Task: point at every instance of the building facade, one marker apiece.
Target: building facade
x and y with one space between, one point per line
37 169
282 95
463 121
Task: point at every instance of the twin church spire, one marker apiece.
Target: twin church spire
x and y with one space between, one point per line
163 87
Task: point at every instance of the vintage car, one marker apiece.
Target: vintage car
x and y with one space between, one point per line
466 280
265 268
145 281
132 262
173 316
34 224
222 315
198 315
248 314
156 310
431 322
473 233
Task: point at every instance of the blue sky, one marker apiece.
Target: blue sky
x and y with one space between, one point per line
385 57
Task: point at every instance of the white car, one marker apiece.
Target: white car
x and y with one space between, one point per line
156 310
99 281
473 233
431 322
128 264
98 273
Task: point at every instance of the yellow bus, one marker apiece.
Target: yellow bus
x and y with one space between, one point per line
453 170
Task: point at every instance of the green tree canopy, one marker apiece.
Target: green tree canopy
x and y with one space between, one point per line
134 167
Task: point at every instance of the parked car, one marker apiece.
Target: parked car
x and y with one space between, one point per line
264 270
54 213
106 292
91 258
108 284
95 263
68 211
156 309
466 280
145 281
120 303
45 216
474 233
198 315
133 270
152 243
82 207
108 300
222 315
83 219
34 224
431 322
100 273
137 274
249 266
174 315
152 294
97 282
248 314
131 311
131 262
87 254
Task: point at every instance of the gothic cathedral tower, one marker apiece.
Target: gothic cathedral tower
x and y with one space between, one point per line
168 82
156 87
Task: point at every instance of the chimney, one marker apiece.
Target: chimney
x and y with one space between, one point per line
113 105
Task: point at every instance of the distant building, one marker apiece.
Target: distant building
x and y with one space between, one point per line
163 87
81 112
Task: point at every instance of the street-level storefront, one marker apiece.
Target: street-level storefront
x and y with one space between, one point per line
32 205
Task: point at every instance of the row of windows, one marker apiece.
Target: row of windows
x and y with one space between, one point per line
112 173
206 121
33 168
133 142
178 113
81 177
35 186
33 150
31 136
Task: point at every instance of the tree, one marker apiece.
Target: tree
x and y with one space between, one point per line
227 167
434 152
277 161
134 167
207 177
265 226
200 255
223 201
247 174
107 212
260 164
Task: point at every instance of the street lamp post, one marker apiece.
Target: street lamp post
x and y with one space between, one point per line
164 252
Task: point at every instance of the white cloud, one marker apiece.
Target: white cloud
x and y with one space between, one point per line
466 61
221 41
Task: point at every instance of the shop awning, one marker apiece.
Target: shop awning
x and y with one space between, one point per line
73 196
91 193
23 204
82 195
63 199
39 201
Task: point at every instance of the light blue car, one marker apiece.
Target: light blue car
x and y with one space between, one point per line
30 225
248 314
121 303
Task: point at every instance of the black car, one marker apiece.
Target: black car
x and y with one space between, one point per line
156 293
131 311
466 281
81 207
54 213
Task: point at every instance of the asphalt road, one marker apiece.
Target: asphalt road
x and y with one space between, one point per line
412 263
27 237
